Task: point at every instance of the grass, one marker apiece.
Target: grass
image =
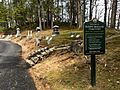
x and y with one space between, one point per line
109 75
77 75
63 38
108 68
69 78
111 32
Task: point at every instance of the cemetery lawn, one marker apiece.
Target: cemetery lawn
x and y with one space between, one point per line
64 70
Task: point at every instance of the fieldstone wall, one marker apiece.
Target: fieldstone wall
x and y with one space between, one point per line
42 53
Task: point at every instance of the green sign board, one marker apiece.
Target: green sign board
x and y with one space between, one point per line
94 37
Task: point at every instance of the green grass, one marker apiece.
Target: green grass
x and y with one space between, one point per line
63 38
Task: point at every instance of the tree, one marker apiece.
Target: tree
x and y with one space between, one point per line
109 11
3 15
118 23
90 15
80 18
113 13
39 14
20 13
105 14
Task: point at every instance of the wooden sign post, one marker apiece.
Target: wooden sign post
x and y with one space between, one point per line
94 43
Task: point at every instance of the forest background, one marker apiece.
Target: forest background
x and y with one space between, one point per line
46 13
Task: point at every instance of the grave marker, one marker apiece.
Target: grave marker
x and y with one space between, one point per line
55 30
29 35
18 32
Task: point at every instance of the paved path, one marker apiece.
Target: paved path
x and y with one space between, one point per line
13 74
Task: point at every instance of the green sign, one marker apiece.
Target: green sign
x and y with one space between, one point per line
94 37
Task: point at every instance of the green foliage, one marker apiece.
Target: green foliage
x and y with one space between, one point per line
20 12
3 13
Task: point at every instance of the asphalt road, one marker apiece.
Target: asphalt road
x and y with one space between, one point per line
13 71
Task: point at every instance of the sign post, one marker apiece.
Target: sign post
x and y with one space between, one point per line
94 43
93 70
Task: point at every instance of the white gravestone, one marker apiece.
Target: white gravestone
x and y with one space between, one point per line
18 32
37 38
29 35
49 40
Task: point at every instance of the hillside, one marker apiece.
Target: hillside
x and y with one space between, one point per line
65 70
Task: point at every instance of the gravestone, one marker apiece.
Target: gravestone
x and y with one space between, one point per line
72 34
77 36
38 38
37 28
29 35
49 40
55 30
8 37
18 32
47 37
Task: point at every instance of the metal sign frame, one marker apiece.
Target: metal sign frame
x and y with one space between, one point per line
94 37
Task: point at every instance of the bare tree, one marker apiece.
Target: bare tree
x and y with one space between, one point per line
118 23
39 14
105 14
113 13
80 18
90 15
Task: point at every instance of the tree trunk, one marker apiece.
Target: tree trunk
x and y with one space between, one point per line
44 19
80 18
113 14
71 12
48 18
90 15
96 11
109 17
74 12
57 13
51 16
39 14
62 9
105 14
79 14
84 6
118 24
